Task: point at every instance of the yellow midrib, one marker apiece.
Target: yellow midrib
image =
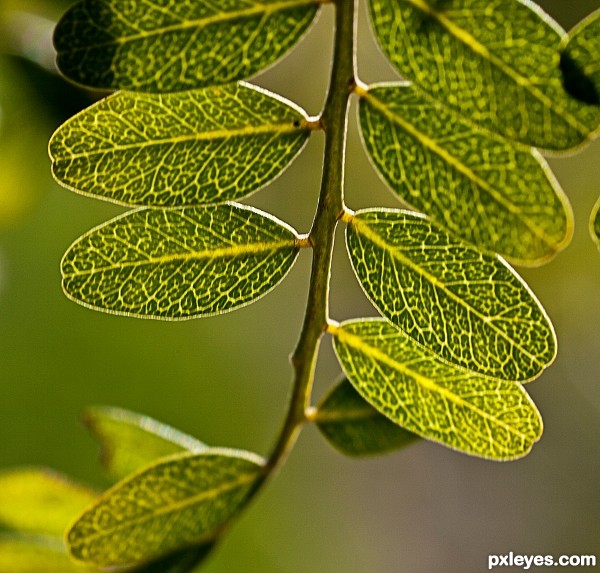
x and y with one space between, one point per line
469 40
375 354
363 228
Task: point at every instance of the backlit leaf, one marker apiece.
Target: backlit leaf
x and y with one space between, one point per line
354 427
179 263
468 307
595 223
174 45
36 500
477 185
179 501
33 554
580 60
495 62
130 441
438 401
203 146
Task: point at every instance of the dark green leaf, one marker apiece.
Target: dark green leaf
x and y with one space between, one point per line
179 263
495 62
130 441
175 45
203 146
467 307
179 501
436 400
479 186
180 561
36 500
354 427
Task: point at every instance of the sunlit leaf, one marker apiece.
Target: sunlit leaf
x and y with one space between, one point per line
495 62
595 223
178 501
33 554
468 307
168 45
36 500
580 60
354 427
477 185
203 146
436 400
179 263
130 441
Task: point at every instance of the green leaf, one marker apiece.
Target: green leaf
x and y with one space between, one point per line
477 185
33 554
179 263
180 561
167 46
354 427
494 62
130 441
595 223
179 501
580 60
413 387
36 500
467 307
203 146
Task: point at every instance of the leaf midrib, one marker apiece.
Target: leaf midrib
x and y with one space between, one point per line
471 42
454 162
359 344
257 10
363 228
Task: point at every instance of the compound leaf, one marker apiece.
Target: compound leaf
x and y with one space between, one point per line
179 263
354 427
36 554
595 223
175 45
173 150
130 441
580 60
467 307
495 62
413 387
176 502
36 500
479 186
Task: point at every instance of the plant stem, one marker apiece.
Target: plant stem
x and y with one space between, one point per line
330 208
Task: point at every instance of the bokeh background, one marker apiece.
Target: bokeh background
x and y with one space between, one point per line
226 379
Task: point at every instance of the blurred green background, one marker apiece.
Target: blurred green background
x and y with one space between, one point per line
226 379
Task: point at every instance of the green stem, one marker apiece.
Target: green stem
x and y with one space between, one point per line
330 208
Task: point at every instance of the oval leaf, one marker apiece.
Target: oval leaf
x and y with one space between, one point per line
495 63
36 500
167 46
479 186
410 385
179 501
179 263
354 427
467 307
595 223
130 441
580 60
173 150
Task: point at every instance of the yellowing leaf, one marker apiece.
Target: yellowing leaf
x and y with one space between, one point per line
479 186
179 263
416 389
467 307
174 503
130 441
354 427
173 150
34 500
496 62
166 46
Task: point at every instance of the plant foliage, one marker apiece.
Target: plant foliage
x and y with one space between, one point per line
459 331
